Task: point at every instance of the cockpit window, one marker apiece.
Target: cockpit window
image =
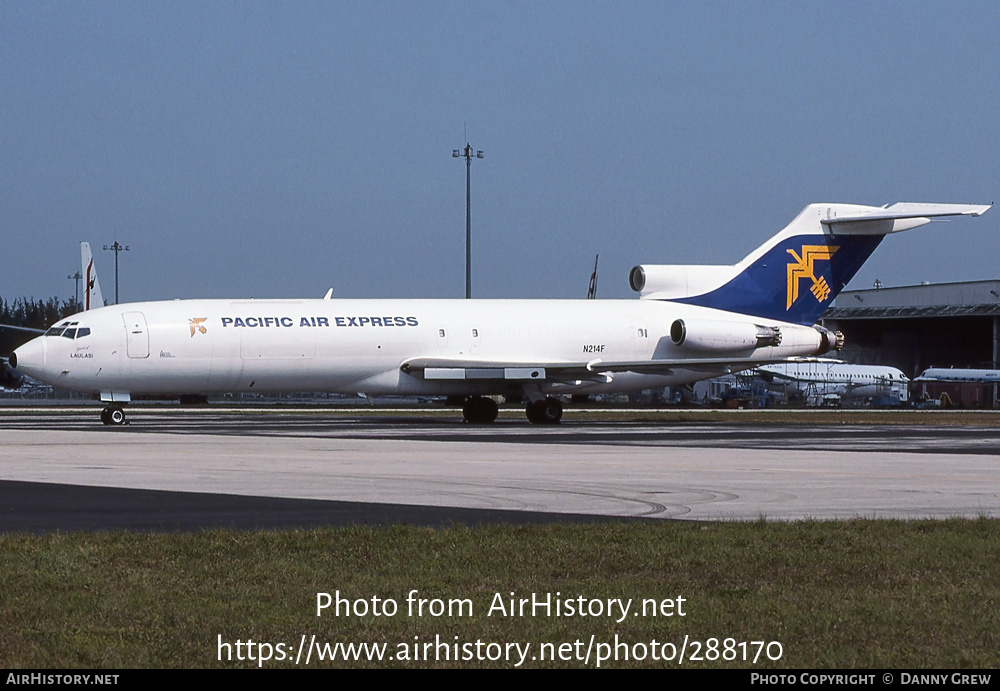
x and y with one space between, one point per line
68 332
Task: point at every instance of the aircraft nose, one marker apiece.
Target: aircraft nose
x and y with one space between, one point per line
30 357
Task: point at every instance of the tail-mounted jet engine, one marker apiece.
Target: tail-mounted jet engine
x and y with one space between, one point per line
733 336
723 336
667 282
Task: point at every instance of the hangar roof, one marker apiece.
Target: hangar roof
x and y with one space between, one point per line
964 299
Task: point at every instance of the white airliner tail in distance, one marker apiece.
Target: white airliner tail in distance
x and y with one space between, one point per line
92 297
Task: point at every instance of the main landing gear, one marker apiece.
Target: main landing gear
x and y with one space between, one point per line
113 414
547 411
479 409
482 410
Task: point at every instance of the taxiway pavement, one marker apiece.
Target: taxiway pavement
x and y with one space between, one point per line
177 470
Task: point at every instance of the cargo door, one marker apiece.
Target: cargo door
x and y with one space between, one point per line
136 334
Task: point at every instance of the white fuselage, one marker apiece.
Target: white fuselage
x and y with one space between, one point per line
838 378
358 346
960 376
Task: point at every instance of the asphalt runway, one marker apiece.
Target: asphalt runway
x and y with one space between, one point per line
173 469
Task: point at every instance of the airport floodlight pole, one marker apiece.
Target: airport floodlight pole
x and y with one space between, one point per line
116 248
77 276
469 153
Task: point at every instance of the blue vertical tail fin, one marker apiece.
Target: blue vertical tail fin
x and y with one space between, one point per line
795 275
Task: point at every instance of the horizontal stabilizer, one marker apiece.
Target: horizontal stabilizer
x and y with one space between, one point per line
902 210
893 219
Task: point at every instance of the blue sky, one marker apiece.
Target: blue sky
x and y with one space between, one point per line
266 149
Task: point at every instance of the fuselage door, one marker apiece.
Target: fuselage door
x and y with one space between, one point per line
136 334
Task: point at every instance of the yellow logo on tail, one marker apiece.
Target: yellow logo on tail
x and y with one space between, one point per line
197 325
802 267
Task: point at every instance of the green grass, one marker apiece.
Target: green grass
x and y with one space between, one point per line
834 594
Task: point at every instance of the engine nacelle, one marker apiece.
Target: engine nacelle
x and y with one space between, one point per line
829 340
669 281
723 336
10 378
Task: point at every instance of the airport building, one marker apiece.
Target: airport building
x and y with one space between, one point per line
929 325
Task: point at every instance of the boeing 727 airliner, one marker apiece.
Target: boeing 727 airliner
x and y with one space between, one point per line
690 323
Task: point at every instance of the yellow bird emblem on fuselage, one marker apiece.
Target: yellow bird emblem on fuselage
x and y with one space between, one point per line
197 325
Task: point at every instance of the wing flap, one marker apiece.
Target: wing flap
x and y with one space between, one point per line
447 369
480 372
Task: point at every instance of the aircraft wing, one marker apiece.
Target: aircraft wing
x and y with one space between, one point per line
769 376
22 328
445 368
563 371
788 376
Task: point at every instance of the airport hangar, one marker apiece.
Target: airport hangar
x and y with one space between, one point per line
921 326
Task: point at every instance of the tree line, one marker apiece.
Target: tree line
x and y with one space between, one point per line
32 314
